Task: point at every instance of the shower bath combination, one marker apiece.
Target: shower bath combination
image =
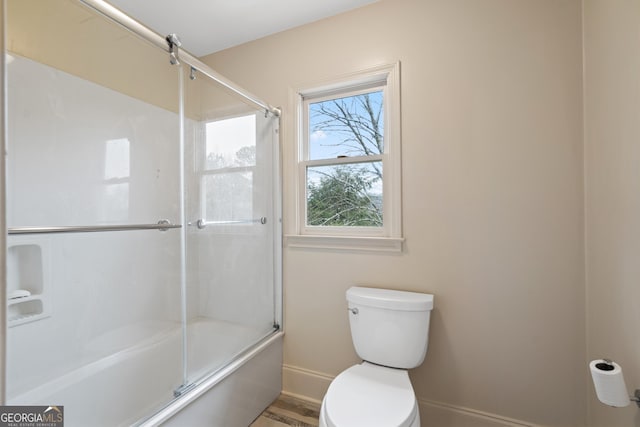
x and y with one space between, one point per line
143 218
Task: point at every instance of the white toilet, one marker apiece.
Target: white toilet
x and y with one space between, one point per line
390 331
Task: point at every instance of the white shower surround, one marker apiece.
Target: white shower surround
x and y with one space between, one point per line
143 338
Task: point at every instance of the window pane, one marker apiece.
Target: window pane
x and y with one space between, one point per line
231 143
349 126
228 196
348 195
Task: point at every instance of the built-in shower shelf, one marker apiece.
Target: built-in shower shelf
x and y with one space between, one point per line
28 273
24 310
23 300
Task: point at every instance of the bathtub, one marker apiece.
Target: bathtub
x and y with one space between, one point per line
107 391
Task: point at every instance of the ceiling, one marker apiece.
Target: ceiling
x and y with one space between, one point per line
207 26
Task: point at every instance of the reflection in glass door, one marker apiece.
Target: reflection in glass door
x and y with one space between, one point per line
231 274
94 302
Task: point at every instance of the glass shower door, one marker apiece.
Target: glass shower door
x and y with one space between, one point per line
94 316
231 166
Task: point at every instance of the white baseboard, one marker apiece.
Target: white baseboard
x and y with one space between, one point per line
441 414
311 386
305 384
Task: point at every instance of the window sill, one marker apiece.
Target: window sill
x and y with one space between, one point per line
345 243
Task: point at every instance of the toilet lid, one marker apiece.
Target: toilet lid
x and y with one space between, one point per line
369 395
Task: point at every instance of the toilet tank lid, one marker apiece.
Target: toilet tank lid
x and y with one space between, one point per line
390 299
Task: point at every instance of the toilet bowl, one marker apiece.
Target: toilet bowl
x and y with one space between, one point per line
368 395
390 332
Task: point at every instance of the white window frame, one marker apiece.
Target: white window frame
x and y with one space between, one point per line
389 236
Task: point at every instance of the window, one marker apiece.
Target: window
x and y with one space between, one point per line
348 160
227 176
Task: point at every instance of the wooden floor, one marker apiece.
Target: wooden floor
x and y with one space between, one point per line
288 411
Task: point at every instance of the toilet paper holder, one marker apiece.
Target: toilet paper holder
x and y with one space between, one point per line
636 393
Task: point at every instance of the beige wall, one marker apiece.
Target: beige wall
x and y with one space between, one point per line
492 198
73 38
612 148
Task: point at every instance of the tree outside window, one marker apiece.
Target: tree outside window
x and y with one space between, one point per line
344 179
348 156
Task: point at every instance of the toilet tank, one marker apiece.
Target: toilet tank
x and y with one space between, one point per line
389 327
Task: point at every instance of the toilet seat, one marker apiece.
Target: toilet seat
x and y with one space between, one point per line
368 395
